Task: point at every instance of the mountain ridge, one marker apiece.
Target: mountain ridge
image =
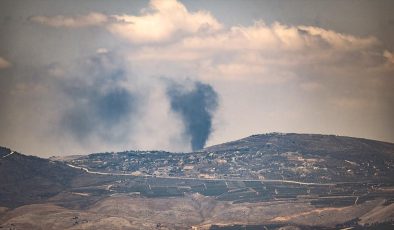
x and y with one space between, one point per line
301 134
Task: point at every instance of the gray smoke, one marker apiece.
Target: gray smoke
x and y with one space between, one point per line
97 100
97 103
196 107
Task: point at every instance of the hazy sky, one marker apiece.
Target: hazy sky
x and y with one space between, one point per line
94 76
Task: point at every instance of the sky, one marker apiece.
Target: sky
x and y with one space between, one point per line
78 77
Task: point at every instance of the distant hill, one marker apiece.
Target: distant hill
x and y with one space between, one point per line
306 158
308 144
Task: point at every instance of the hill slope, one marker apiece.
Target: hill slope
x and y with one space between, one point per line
270 180
300 157
308 144
29 179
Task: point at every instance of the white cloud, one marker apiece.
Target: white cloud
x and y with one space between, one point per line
4 63
91 19
338 40
161 22
167 33
261 53
389 56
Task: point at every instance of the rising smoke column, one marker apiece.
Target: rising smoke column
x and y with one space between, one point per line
196 107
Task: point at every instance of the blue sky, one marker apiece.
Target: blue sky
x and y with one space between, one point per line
93 76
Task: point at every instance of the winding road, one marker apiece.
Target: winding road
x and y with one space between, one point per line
203 179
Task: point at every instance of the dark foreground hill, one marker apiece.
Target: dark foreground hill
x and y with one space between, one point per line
270 181
25 179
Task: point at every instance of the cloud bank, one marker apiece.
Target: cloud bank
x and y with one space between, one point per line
92 19
163 21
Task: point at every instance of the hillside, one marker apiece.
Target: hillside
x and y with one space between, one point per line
302 157
308 144
28 179
301 181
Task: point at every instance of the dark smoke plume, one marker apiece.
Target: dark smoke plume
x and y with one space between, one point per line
196 107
